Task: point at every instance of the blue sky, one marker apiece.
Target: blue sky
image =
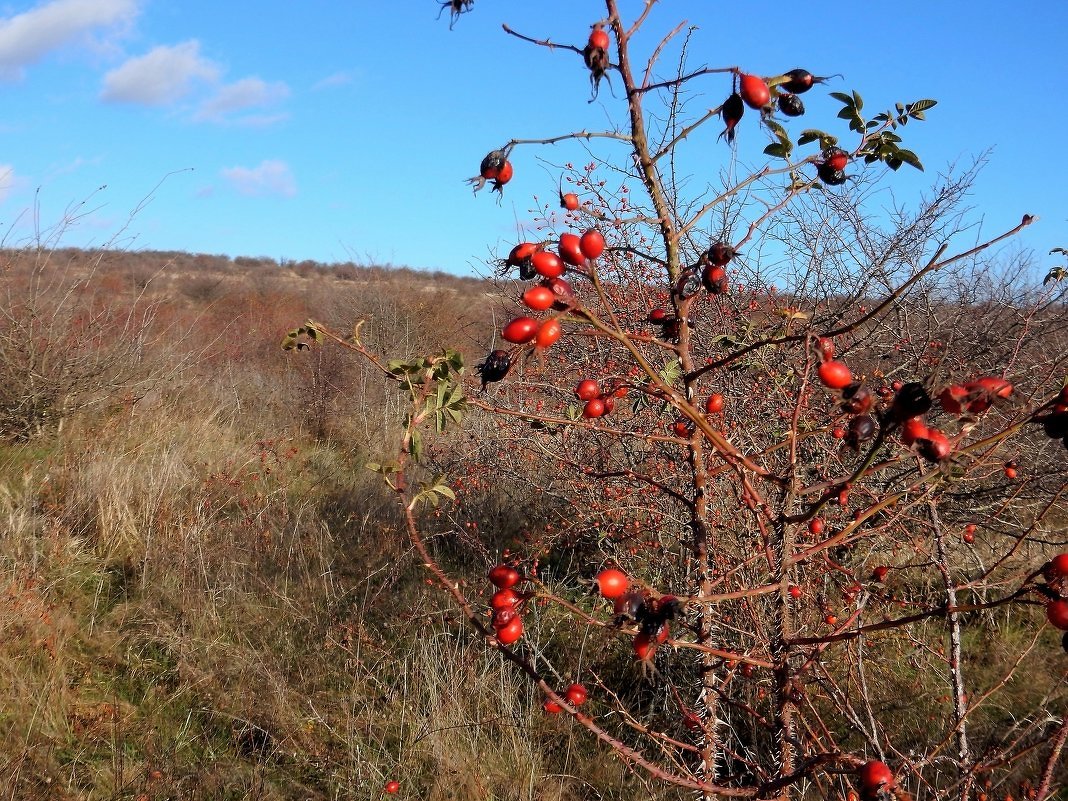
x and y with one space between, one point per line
333 130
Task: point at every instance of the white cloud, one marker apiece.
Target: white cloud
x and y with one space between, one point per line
161 76
331 81
7 180
241 95
271 177
27 37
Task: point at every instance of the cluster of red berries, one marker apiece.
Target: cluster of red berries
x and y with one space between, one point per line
551 293
756 92
630 606
575 694
599 402
708 273
505 602
495 167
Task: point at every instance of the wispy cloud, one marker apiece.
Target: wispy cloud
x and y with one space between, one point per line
271 177
26 38
332 81
161 76
247 93
7 181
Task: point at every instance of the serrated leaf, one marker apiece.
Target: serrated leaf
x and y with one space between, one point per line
776 129
842 97
910 158
922 105
917 115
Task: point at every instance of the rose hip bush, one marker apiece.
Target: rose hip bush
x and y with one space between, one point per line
803 460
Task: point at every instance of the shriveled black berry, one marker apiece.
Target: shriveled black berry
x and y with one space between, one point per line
688 285
790 104
1056 425
861 429
911 400
495 367
831 176
800 81
732 110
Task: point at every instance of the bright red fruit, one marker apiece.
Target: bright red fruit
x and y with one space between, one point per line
392 787
592 244
547 264
594 408
521 253
539 298
612 583
835 375
754 91
512 632
815 525
569 201
599 39
503 577
588 390
644 646
1057 614
521 330
714 404
912 430
576 695
504 176
552 708
570 251
879 573
548 333
874 776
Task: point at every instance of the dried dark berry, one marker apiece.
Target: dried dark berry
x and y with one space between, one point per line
720 254
732 110
495 367
911 400
800 81
688 285
790 104
830 176
861 429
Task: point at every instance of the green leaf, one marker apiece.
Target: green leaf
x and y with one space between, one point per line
842 97
810 135
857 101
893 162
374 467
910 158
415 445
920 106
777 150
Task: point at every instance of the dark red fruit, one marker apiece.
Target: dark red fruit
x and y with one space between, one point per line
754 91
861 429
594 408
720 254
714 279
492 163
934 446
520 257
714 404
910 400
1057 614
800 81
1056 569
596 57
790 104
731 111
503 577
506 598
657 316
565 295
